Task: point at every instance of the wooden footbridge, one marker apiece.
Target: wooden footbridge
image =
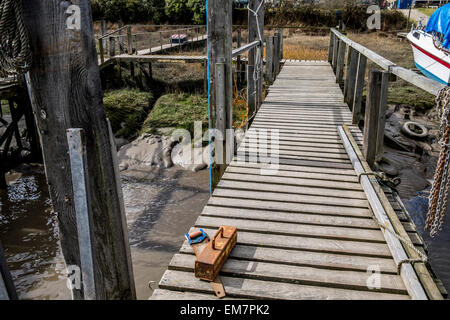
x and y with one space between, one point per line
307 230
320 226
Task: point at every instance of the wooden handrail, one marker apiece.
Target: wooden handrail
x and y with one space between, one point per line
245 48
422 82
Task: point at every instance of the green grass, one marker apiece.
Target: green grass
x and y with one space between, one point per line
427 11
177 110
126 110
400 92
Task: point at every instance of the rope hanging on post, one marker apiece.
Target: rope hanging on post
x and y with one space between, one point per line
15 52
438 194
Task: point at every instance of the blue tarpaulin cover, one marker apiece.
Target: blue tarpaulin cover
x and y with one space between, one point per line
440 22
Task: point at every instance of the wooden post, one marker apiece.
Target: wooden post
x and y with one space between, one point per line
340 62
254 34
280 31
120 37
112 46
269 59
372 116
350 77
102 53
161 41
382 114
135 44
205 77
331 48
220 42
129 41
359 86
65 88
7 288
335 52
238 58
276 55
150 43
104 32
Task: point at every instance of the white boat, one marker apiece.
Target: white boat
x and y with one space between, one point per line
431 46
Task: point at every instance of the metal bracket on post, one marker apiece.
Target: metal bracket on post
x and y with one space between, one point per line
80 181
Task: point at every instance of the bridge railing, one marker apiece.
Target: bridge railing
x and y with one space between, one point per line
351 57
125 41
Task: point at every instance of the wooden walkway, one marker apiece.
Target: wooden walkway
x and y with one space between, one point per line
305 232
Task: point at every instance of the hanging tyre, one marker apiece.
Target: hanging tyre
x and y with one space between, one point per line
414 130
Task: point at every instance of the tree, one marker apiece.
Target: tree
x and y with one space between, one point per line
198 8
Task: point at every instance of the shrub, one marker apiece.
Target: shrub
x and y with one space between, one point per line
129 10
126 110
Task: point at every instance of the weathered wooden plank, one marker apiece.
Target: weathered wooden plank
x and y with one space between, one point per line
290 197
161 294
339 233
291 217
306 258
320 245
249 288
353 280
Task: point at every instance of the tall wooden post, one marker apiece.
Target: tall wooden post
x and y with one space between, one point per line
331 48
120 37
238 58
269 59
335 52
7 288
276 55
220 45
359 86
65 88
255 30
350 76
340 62
104 32
372 116
382 114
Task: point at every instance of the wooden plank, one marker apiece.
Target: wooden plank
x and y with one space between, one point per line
161 294
290 197
306 258
280 216
353 280
249 288
268 228
320 245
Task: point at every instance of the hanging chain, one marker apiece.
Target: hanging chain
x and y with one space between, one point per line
438 194
15 52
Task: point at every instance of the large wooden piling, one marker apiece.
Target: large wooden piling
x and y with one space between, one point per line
65 87
220 40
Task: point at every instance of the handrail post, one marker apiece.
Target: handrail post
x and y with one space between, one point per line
104 32
253 34
330 48
129 40
340 62
350 76
120 23
269 59
112 46
382 115
238 58
372 116
150 43
359 85
335 52
161 41
102 52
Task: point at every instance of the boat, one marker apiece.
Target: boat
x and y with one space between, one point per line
431 46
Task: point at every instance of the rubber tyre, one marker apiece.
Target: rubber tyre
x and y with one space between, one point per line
407 131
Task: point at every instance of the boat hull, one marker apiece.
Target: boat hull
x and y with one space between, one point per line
432 62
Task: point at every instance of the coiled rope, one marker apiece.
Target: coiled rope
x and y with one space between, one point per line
437 203
15 52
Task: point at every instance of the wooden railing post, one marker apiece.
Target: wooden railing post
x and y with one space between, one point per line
220 49
161 40
276 55
269 59
340 62
112 46
350 76
238 58
335 52
359 86
120 37
253 34
331 48
129 40
372 116
102 52
382 115
150 43
104 32
280 31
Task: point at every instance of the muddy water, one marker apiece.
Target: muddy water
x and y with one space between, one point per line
161 206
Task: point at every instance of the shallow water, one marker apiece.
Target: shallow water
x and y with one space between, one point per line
161 207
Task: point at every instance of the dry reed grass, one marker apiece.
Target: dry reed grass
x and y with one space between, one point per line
299 52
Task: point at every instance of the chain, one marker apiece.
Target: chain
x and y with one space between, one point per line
438 194
15 52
